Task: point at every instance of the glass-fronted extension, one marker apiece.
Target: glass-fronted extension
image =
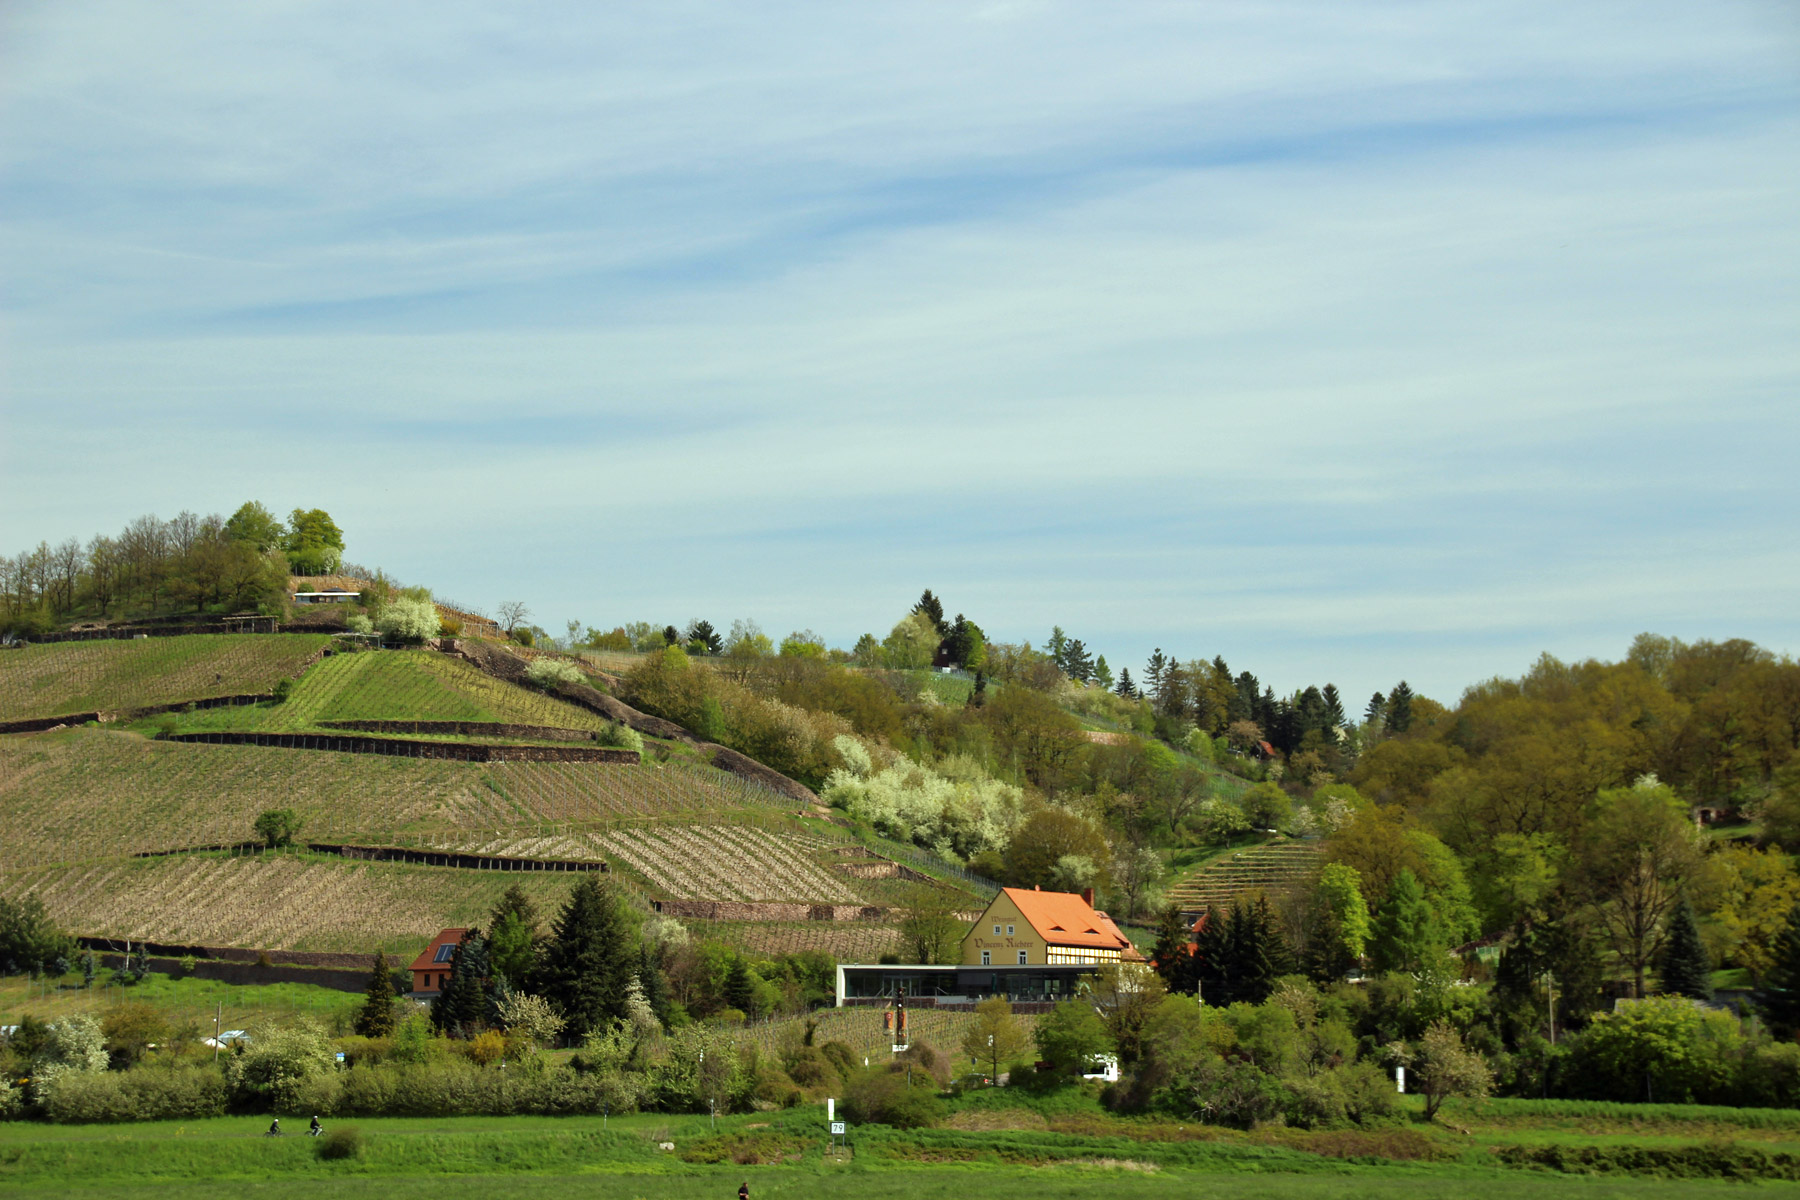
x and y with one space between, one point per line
959 984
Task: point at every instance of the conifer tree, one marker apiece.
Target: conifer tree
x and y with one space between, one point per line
1334 706
1102 673
1405 929
1058 648
1686 969
740 990
1172 958
1256 953
1399 708
1277 955
462 1005
375 1019
1077 663
1125 687
650 979
933 608
514 900
978 697
1153 672
1212 946
590 956
1780 995
1377 709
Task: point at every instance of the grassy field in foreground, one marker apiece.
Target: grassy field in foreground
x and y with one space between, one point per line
553 1158
71 677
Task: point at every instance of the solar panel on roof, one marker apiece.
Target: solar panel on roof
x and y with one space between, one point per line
445 952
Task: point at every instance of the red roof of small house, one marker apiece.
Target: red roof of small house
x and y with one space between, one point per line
437 955
1065 919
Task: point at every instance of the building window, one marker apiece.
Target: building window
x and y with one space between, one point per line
996 931
1021 958
1009 931
987 958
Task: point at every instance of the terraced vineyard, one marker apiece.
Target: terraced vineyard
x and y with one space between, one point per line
85 794
275 902
109 675
1272 867
846 941
418 685
723 862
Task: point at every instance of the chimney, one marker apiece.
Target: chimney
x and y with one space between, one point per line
1087 896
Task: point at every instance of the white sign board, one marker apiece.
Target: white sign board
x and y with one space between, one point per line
837 1129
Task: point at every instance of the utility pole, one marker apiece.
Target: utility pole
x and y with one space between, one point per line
216 1018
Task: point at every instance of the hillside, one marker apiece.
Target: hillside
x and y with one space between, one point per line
79 804
109 675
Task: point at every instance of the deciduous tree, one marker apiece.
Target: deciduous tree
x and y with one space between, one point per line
994 1039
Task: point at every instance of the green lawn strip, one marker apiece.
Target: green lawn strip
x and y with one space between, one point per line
856 1181
180 1000
554 1156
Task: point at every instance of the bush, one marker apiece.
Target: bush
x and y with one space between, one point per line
882 1097
346 1141
358 623
621 736
278 827
550 673
412 617
143 1094
12 1103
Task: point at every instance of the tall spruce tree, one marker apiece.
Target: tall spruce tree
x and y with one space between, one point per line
1405 929
1256 952
1078 664
1779 998
1172 958
462 1007
1377 708
1334 706
1125 687
651 979
514 900
1686 968
1399 708
1153 672
1103 675
933 608
590 957
375 1019
740 988
1212 953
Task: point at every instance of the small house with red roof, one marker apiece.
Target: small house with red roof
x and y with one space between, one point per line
431 970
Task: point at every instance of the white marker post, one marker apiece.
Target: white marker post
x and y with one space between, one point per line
1400 1079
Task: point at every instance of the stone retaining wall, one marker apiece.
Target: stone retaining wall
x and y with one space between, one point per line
403 748
548 733
754 910
457 858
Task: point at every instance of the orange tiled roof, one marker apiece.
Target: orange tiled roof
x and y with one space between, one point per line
427 960
1065 919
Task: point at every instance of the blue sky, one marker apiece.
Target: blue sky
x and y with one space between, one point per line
1349 341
